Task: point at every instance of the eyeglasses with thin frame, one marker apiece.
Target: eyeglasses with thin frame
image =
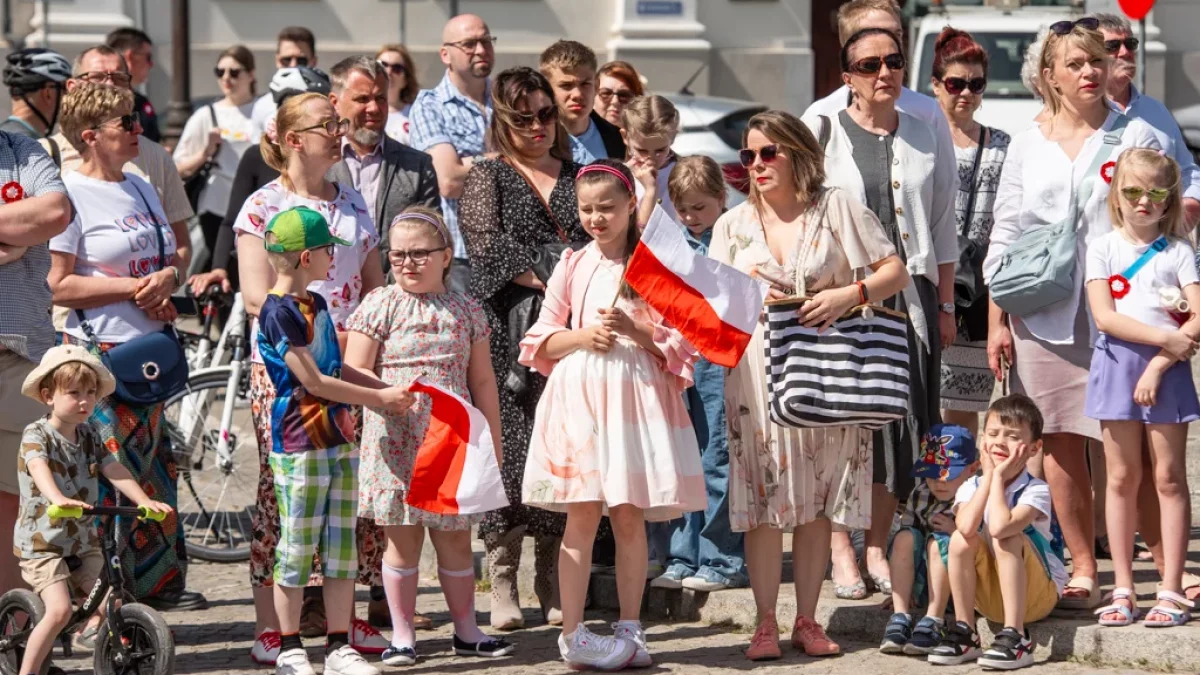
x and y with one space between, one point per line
127 123
471 44
331 127
1134 194
115 78
293 61
873 64
419 256
234 73
768 153
624 96
1061 28
1113 46
545 116
394 68
956 85
328 248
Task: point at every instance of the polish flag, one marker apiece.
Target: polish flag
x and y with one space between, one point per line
455 472
714 306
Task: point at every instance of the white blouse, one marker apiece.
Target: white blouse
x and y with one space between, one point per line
1035 191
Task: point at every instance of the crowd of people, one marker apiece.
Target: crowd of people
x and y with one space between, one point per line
476 234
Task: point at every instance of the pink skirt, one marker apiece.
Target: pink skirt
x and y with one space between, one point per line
1056 377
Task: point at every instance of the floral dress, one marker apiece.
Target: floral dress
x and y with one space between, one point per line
422 335
784 477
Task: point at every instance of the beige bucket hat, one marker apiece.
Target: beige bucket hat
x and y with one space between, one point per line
62 355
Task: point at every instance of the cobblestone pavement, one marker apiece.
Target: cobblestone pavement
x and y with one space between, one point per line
217 641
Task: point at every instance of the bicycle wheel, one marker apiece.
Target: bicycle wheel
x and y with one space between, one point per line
217 495
20 611
150 649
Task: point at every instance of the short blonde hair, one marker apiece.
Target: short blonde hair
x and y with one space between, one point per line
72 373
88 105
651 116
1173 223
699 173
1090 41
282 263
804 153
850 15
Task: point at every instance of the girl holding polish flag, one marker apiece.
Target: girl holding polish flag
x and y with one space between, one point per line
415 329
611 432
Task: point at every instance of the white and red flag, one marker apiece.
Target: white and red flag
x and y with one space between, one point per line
715 306
455 472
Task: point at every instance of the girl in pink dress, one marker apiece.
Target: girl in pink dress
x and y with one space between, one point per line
611 432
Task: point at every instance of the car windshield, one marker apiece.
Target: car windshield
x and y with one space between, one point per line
1006 53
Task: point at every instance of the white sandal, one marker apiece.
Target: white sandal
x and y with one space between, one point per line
1179 613
1128 614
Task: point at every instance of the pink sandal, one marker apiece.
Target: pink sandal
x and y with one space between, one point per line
809 636
764 646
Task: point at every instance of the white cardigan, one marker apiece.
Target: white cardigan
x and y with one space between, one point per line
924 186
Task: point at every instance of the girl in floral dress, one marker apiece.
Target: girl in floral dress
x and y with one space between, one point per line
415 328
611 432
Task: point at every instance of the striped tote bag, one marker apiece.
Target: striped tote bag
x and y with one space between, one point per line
854 374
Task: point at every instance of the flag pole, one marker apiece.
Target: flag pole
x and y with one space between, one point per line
621 286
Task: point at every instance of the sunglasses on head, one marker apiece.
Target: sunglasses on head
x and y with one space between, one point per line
1061 28
234 73
294 61
1134 193
545 116
393 68
767 152
1114 46
873 64
624 96
955 85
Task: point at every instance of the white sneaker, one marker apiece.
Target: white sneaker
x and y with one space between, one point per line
634 633
265 651
588 651
345 661
293 662
365 639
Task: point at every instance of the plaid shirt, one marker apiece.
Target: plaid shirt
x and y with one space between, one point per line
25 326
922 506
445 115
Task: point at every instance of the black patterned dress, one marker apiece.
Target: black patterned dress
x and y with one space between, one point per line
503 221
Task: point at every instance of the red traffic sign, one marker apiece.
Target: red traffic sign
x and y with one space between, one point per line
1136 9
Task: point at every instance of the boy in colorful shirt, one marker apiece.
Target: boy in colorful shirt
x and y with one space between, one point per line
919 549
312 433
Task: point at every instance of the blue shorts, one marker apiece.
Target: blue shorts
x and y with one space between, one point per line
920 588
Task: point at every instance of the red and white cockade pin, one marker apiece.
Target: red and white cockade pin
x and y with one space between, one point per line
1107 171
12 192
1118 285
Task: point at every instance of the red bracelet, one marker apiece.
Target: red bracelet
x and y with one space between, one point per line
862 292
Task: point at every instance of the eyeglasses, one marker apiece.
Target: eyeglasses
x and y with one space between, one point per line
1114 46
1134 194
328 248
624 96
545 116
331 127
234 73
873 64
293 61
126 122
115 78
767 152
393 68
955 85
419 256
1061 28
470 45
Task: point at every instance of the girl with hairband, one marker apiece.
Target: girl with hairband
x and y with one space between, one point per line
611 433
416 328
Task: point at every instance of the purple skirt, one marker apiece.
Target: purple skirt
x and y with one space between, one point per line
1117 365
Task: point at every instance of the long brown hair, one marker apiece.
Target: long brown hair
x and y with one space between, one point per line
804 153
244 58
412 86
510 88
594 177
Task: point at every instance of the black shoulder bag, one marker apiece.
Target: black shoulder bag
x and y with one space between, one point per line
970 293
151 368
195 184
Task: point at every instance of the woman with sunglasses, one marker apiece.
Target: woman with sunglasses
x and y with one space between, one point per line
219 133
515 209
306 141
402 88
960 66
617 84
107 269
1049 350
904 171
809 481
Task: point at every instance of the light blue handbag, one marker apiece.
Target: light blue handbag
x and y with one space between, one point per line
1038 269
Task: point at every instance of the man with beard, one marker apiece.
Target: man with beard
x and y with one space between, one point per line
1122 46
450 120
391 176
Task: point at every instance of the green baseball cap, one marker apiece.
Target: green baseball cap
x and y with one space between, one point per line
300 229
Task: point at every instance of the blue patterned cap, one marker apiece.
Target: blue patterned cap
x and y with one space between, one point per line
946 450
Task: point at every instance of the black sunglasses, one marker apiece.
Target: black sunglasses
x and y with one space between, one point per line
294 61
234 73
767 152
873 64
1061 28
1114 46
624 96
393 68
545 116
126 122
955 85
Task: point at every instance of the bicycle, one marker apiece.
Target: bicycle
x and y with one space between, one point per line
212 437
133 639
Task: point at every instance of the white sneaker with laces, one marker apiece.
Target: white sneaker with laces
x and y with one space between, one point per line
633 632
365 639
265 651
293 662
588 651
345 661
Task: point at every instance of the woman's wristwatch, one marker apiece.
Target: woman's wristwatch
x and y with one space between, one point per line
947 307
177 275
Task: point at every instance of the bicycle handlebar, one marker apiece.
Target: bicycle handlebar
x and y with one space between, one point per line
139 512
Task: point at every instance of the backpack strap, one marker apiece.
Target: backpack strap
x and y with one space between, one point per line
1109 144
825 132
55 153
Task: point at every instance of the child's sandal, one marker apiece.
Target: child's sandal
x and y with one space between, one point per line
1128 614
1178 615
